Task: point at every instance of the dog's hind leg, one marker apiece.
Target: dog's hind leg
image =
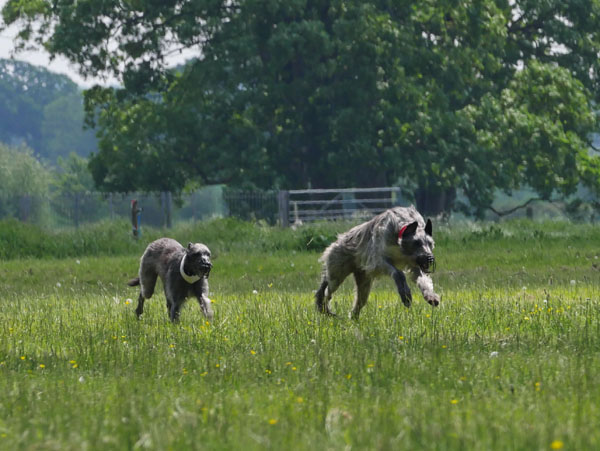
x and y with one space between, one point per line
323 296
320 297
363 288
140 307
332 285
147 282
174 310
337 268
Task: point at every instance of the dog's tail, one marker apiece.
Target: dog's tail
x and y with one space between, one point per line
134 282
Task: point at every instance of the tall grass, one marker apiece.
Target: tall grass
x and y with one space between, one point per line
20 240
509 361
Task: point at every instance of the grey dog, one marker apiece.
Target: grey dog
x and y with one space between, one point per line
183 271
396 239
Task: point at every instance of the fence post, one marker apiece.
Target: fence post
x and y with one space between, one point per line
111 207
193 204
136 212
24 207
166 198
283 200
76 208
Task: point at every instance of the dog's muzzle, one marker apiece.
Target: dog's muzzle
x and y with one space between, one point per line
426 263
206 267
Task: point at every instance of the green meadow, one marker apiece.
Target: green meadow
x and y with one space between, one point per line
510 360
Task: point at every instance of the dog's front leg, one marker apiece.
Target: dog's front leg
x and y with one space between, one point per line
425 284
201 292
400 281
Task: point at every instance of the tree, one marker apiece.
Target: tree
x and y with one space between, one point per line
42 110
73 187
73 176
63 129
441 95
24 182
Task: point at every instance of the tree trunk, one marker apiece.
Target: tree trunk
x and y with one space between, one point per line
434 201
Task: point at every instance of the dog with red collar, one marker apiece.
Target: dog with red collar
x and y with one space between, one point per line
397 239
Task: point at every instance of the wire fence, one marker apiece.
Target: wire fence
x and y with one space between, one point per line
286 208
157 209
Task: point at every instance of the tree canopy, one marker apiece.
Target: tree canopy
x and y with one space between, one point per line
43 110
436 96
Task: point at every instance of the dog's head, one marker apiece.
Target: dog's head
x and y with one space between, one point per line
417 244
197 261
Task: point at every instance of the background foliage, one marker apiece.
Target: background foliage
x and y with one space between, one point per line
444 95
43 111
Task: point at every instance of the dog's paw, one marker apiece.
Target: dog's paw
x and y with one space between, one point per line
329 313
433 299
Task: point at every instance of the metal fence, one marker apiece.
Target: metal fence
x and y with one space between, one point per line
298 206
165 209
273 207
157 209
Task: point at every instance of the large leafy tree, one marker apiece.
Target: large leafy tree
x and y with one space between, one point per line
438 95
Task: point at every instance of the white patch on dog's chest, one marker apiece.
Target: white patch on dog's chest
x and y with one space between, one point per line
188 279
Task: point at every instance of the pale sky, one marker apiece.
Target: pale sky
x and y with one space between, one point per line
40 58
61 65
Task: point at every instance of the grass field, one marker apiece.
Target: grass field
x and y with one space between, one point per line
509 361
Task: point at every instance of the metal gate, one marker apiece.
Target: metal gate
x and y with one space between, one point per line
298 206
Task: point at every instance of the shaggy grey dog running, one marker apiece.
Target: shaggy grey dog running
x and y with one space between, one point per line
183 271
396 239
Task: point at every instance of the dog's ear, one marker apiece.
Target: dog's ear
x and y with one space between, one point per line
408 230
429 228
190 244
